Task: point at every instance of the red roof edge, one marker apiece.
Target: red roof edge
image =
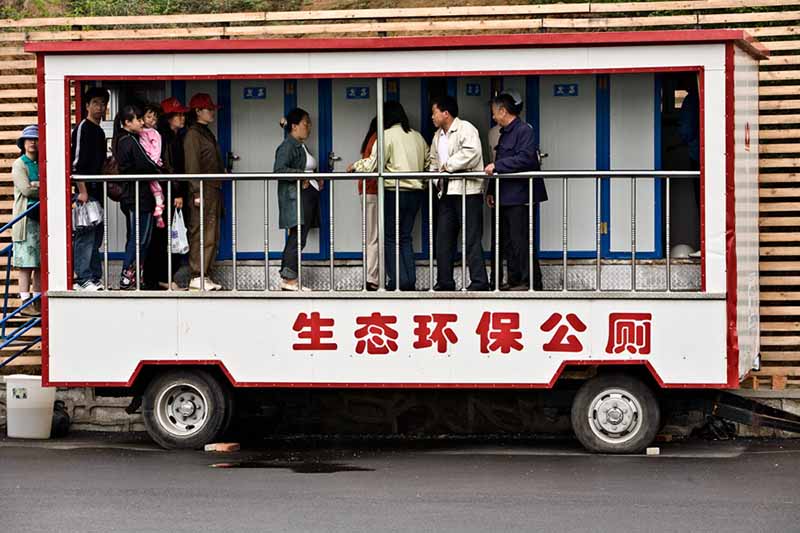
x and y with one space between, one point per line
659 37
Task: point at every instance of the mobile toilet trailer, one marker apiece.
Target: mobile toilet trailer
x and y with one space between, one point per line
591 97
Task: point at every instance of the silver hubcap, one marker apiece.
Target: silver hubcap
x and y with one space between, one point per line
181 409
615 416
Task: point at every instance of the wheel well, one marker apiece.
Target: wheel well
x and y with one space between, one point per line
581 373
148 372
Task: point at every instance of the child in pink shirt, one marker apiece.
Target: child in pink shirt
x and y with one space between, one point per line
151 142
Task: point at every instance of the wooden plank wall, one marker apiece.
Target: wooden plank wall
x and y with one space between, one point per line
775 22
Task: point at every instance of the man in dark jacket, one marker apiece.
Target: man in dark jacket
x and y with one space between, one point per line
516 152
88 151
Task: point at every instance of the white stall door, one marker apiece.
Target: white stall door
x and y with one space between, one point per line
567 111
632 148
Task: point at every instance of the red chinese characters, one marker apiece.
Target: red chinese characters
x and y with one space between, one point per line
441 333
561 341
376 336
310 328
499 331
629 332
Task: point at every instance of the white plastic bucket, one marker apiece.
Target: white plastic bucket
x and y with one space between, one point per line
29 407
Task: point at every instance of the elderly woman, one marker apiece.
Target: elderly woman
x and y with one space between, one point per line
293 156
25 233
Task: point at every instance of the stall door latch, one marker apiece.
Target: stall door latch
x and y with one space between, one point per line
604 228
332 159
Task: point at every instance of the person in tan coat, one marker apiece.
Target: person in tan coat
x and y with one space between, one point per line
202 156
25 233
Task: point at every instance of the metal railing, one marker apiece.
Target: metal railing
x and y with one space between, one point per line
331 179
29 322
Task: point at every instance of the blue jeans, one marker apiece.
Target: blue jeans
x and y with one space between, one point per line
410 202
145 232
86 257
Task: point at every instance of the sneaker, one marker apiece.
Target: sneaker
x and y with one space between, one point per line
99 284
208 284
87 286
292 285
31 310
127 280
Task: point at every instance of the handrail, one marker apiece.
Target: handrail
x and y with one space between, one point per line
18 218
261 176
8 251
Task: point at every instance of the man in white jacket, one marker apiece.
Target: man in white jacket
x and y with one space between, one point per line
457 148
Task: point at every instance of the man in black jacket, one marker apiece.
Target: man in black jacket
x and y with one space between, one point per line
516 151
88 150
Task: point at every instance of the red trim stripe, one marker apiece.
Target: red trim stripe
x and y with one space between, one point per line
389 385
730 219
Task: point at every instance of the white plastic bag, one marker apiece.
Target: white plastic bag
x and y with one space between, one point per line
180 240
87 215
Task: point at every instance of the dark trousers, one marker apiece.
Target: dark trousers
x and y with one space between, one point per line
86 256
155 267
290 264
514 247
290 261
410 202
447 231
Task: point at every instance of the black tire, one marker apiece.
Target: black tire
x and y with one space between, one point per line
616 395
198 390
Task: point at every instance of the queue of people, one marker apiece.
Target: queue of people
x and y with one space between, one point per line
174 139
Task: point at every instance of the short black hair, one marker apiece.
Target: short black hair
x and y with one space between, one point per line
507 102
96 92
446 103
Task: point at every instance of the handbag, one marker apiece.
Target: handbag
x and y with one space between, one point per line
87 215
114 189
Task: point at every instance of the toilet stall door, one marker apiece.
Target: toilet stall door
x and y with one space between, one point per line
633 137
567 111
353 107
256 109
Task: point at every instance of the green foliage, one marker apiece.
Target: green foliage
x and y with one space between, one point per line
169 7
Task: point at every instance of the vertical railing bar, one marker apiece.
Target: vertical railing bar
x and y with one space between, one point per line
364 233
299 234
233 235
633 234
598 235
498 267
564 235
136 241
397 234
105 235
202 239
431 236
530 234
266 236
381 190
667 238
331 229
169 235
464 234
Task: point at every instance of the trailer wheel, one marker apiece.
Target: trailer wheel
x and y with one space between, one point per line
185 409
615 414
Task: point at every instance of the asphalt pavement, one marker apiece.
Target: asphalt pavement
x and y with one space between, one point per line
89 483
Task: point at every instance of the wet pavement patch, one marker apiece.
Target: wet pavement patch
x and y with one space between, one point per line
298 467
